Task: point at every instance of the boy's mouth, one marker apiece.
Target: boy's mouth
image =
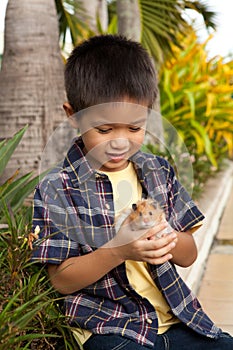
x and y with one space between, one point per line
116 157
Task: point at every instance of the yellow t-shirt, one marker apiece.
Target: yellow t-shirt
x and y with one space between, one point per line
126 191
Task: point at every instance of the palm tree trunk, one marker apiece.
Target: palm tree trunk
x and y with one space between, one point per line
31 78
94 9
129 23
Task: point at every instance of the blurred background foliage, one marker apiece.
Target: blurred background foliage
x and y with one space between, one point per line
159 26
196 95
197 98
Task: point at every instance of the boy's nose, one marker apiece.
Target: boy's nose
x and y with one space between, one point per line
120 143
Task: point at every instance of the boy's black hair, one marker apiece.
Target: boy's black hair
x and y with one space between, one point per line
107 68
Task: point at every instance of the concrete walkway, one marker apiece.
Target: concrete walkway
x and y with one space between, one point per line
216 288
211 276
213 204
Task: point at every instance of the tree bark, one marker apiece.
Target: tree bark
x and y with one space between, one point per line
31 78
94 9
129 21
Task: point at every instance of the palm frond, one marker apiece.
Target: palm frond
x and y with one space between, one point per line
69 22
161 21
209 16
163 24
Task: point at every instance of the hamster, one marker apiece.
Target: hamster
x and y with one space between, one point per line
144 214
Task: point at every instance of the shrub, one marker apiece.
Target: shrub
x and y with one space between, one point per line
197 99
30 314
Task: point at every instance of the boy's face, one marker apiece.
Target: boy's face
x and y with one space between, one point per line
112 132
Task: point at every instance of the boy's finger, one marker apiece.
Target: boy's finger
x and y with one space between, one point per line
155 230
159 255
165 243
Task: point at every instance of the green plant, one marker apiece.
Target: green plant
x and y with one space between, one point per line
15 189
196 98
161 22
30 316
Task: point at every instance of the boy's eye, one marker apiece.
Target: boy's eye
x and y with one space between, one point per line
103 130
134 128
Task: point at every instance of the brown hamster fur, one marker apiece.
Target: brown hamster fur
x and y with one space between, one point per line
144 214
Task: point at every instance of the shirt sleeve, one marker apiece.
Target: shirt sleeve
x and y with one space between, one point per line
53 245
183 212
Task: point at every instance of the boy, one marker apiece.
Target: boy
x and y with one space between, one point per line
121 288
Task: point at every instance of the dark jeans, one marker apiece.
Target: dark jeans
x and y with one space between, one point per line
178 337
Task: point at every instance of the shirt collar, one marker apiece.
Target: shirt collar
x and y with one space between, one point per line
76 164
144 161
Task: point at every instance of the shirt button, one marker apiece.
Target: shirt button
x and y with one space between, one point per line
149 320
107 206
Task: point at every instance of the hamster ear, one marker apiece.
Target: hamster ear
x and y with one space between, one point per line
134 206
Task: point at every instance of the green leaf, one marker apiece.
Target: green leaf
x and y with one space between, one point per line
70 22
191 101
112 27
8 148
206 140
23 193
12 188
5 212
2 143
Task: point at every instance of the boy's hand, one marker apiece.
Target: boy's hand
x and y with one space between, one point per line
143 245
78 272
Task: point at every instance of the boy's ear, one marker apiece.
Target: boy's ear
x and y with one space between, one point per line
70 112
68 109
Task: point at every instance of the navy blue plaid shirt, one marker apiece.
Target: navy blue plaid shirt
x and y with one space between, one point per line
73 207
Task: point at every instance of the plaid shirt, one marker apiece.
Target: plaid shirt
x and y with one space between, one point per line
73 206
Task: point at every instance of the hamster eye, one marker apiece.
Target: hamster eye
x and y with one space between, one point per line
140 214
150 213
